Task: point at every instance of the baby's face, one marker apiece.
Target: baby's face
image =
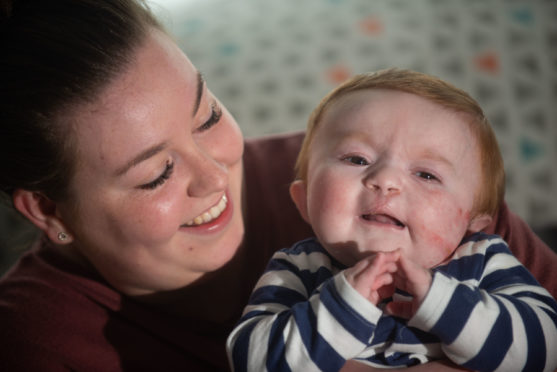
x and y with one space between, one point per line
390 170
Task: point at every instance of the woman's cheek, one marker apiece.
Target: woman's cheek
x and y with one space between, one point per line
159 219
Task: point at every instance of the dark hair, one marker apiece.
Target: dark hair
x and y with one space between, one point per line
56 55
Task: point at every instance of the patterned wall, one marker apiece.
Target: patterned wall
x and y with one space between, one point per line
270 61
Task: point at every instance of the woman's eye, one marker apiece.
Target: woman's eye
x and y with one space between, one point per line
426 176
357 160
160 179
216 114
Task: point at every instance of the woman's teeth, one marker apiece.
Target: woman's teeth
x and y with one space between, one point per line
211 214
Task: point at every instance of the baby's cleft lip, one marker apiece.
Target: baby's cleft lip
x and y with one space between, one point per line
211 214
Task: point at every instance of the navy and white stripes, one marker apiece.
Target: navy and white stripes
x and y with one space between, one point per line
484 311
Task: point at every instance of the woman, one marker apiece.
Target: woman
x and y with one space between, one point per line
156 219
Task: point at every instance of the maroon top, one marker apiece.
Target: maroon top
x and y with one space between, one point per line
54 316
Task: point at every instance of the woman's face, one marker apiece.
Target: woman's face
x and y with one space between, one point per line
156 198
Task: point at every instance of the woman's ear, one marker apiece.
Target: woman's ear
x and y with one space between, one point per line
479 222
42 212
299 196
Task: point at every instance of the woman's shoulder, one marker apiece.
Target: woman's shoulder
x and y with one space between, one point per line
272 220
273 153
45 289
48 312
280 140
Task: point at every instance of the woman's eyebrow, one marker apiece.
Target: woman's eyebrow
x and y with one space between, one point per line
200 85
144 155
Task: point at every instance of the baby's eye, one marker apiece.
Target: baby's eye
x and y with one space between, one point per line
426 176
355 159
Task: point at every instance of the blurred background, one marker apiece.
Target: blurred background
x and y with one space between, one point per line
271 61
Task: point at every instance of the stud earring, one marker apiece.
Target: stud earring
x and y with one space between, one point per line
62 236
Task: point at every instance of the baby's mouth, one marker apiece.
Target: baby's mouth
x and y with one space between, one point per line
383 219
211 214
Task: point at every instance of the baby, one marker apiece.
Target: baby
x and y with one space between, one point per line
398 174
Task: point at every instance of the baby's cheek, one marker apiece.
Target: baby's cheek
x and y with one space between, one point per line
439 246
444 236
464 215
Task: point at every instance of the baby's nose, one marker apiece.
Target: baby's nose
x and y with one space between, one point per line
385 180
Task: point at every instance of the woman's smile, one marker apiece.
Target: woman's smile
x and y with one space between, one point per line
210 214
213 219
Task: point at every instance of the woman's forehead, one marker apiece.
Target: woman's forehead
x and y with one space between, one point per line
159 91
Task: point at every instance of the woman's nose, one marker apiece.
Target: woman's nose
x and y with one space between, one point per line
207 175
386 180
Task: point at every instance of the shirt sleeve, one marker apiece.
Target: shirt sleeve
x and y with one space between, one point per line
490 312
530 250
287 323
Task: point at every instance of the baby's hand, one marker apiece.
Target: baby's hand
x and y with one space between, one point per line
413 279
372 277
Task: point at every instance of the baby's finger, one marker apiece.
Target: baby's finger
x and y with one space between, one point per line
375 294
391 256
413 278
381 264
351 273
381 281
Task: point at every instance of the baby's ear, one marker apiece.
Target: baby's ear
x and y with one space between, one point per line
299 196
479 222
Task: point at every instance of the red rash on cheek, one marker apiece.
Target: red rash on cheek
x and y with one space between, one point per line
443 243
440 242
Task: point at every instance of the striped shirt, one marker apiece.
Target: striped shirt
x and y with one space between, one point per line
484 311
